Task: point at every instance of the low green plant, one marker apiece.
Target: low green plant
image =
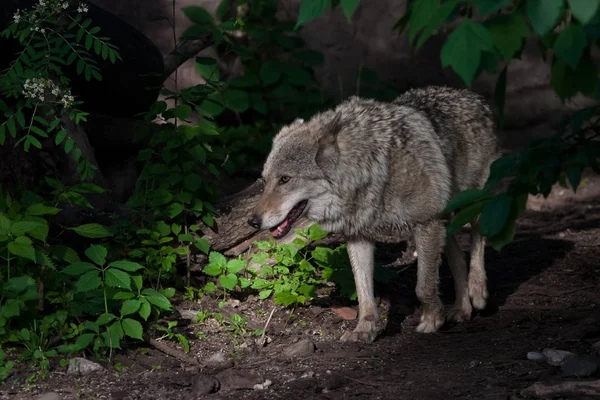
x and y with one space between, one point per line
170 334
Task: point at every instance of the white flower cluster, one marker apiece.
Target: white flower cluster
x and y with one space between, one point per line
83 8
43 9
40 89
17 16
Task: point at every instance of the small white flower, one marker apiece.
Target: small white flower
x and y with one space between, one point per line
43 30
83 8
65 5
37 29
17 17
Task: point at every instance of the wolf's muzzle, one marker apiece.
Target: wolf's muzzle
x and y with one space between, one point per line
255 221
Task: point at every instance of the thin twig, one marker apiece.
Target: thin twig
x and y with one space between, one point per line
262 337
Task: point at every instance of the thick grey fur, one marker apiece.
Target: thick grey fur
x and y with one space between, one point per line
366 167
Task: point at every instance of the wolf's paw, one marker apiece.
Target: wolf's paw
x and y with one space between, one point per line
365 332
460 312
430 322
478 294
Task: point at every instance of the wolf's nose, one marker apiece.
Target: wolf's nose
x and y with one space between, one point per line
255 222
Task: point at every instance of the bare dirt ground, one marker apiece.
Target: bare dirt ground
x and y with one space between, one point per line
544 293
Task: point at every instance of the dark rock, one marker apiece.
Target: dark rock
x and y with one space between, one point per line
580 366
83 366
204 384
303 348
232 379
556 357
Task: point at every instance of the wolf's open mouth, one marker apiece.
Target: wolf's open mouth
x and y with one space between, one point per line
283 228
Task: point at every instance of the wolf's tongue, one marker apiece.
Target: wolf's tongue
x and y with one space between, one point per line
283 225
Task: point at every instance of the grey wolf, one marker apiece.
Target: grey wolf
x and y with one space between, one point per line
369 166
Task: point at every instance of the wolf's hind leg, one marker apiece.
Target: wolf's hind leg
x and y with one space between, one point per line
461 310
361 257
477 276
429 239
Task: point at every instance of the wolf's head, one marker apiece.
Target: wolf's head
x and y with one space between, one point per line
297 173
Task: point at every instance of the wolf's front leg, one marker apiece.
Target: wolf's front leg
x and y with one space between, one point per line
361 258
429 238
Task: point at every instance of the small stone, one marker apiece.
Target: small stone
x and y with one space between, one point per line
556 357
580 366
189 314
347 313
303 348
262 386
218 361
233 379
335 381
474 363
49 396
83 366
536 356
308 374
204 384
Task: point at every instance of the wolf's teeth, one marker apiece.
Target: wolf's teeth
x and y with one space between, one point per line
279 229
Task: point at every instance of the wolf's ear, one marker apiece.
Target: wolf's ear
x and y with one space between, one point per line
328 152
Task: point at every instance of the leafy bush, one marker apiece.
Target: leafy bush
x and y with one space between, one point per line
487 36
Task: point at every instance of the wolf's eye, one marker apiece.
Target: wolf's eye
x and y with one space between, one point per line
284 179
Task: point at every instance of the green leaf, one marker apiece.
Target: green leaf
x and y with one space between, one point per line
145 309
23 227
157 299
11 308
236 100
88 281
114 335
105 318
222 9
40 209
83 341
287 298
218 259
132 328
463 48
234 266
583 10
203 245
125 265
310 10
130 307
212 270
264 294
22 247
92 231
207 70
228 281
544 14
487 7
78 268
193 182
466 197
436 20
244 282
117 278
567 82
4 225
465 216
270 72
182 111
174 209
349 7
508 33
570 44
97 254
495 214
421 12
197 15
